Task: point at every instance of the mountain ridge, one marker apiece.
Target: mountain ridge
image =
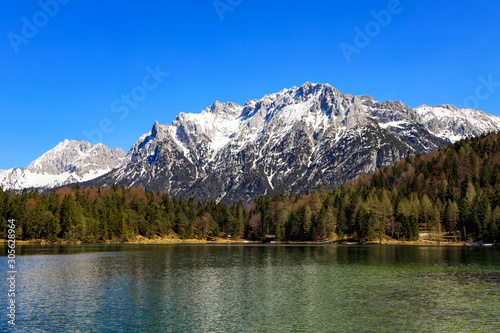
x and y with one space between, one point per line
68 162
297 139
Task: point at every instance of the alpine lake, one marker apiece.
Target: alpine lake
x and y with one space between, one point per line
254 288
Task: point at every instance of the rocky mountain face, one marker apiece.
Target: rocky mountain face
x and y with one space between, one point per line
298 139
69 162
449 122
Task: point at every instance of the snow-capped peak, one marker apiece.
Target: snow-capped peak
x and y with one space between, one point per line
452 123
298 138
69 161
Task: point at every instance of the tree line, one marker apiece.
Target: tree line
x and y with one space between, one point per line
116 213
455 190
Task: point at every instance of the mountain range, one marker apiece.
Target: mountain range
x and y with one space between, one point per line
298 139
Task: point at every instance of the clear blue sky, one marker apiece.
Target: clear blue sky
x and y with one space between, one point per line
62 79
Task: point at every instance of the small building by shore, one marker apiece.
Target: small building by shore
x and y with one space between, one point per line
269 238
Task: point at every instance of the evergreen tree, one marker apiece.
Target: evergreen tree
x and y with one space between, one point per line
69 217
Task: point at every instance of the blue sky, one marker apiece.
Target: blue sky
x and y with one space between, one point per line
65 68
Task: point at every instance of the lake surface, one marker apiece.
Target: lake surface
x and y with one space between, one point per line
255 288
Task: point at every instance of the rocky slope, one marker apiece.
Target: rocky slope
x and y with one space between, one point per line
66 163
297 139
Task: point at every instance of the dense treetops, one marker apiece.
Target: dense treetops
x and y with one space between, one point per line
455 190
116 213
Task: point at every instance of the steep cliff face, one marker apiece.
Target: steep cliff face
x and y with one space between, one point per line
298 139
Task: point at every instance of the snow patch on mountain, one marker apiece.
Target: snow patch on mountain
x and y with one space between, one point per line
68 162
449 122
297 139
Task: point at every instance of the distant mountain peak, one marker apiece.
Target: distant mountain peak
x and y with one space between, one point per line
67 162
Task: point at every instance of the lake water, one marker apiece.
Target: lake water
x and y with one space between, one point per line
255 288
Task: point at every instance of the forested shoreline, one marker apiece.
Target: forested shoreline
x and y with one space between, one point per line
455 190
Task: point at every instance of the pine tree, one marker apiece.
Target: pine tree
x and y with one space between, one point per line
307 226
387 214
366 225
494 235
69 217
451 214
52 226
426 214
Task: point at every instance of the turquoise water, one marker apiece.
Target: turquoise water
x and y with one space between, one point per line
256 288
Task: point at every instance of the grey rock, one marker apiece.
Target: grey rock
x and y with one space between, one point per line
67 163
298 139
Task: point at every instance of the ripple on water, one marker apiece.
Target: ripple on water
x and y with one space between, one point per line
260 289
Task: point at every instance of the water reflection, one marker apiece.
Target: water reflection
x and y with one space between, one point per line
258 288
